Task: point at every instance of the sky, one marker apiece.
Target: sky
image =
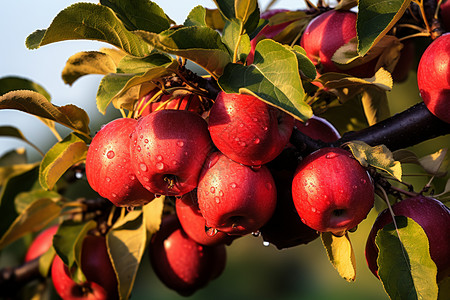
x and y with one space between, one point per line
18 19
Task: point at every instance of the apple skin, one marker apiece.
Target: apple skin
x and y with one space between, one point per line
108 167
41 243
168 149
247 130
95 263
332 192
285 229
179 262
194 224
320 46
234 198
188 102
319 129
432 216
433 77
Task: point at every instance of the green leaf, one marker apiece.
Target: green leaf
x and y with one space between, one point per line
85 63
136 65
60 158
68 242
13 170
196 17
24 199
13 186
110 85
139 14
436 163
341 254
379 157
226 8
273 77
244 9
35 217
126 244
152 214
36 104
214 19
13 157
45 261
375 104
232 35
375 19
12 83
201 45
405 265
9 131
305 65
89 21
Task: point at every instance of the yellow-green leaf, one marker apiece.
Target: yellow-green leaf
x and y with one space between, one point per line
152 215
341 254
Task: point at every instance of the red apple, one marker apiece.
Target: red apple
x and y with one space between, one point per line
96 266
190 102
432 216
433 77
194 224
332 192
247 130
234 198
168 149
108 168
319 129
179 262
41 243
285 229
325 34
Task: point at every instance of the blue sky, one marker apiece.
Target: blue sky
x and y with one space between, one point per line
18 19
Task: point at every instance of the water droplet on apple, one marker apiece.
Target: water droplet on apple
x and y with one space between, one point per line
146 141
257 141
221 193
236 139
233 185
159 166
180 143
256 233
355 187
212 189
313 209
211 231
331 155
110 154
241 125
243 144
146 179
266 244
138 148
108 179
141 137
157 195
143 167
269 186
174 162
255 119
217 199
363 181
159 158
114 195
265 128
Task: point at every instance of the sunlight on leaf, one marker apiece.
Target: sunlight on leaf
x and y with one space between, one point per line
341 254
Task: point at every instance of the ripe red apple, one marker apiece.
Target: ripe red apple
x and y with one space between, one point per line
332 192
433 77
285 229
432 216
247 130
319 129
96 266
320 45
194 224
179 262
108 168
41 243
190 102
234 198
168 149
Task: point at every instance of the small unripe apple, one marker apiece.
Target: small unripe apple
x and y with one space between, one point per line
41 243
108 167
234 198
101 281
319 129
332 192
190 102
432 216
179 262
433 77
325 34
194 224
168 149
248 130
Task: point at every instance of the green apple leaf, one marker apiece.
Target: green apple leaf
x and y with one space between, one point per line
110 85
375 104
214 19
196 17
14 169
136 65
346 4
436 163
13 157
273 77
201 45
45 261
232 35
9 131
13 83
139 14
244 9
60 158
68 242
33 218
152 215
126 243
341 254
379 157
305 65
36 104
14 185
226 8
89 21
405 265
85 63
24 199
375 19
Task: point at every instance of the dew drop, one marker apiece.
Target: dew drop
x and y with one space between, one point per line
241 125
157 195
143 167
110 154
138 148
174 162
159 166
255 119
331 155
108 179
265 128
257 141
236 139
355 187
141 137
243 144
221 193
217 199
266 244
180 143
146 141
114 195
159 158
233 185
211 231
146 179
256 233
212 189
363 181
313 209
269 185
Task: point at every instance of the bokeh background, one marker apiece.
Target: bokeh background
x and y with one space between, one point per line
253 271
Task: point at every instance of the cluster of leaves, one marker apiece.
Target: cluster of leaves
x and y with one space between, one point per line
150 47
